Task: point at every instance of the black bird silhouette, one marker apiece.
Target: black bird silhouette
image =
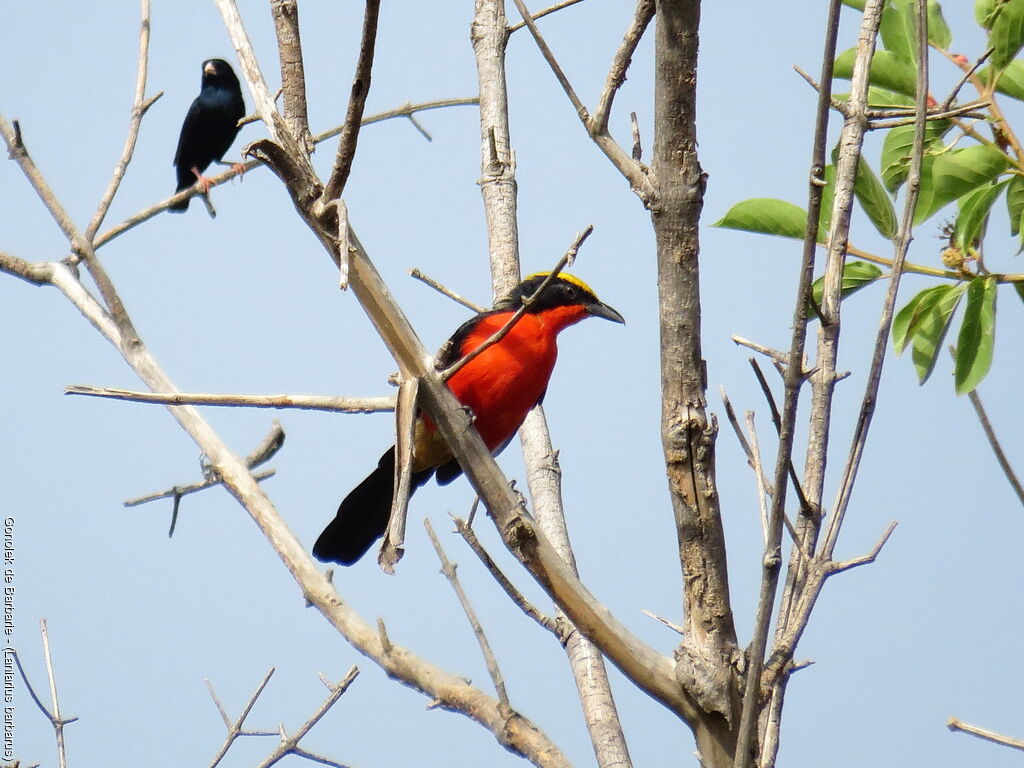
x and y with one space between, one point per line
210 126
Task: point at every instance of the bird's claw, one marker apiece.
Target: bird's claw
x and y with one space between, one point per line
204 183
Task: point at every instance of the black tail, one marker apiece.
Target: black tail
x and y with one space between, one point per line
185 180
363 516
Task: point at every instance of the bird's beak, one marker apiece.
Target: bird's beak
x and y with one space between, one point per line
209 68
600 309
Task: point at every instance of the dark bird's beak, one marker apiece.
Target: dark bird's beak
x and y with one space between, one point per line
600 309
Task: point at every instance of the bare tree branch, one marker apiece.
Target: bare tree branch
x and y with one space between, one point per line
177 491
541 14
623 57
983 733
406 411
498 184
37 274
290 744
747 748
466 531
55 719
139 108
356 103
449 570
903 239
302 402
993 441
293 75
626 165
235 727
418 275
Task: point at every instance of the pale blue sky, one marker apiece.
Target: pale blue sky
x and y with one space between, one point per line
248 303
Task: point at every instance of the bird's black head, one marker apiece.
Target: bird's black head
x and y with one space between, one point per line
564 291
219 74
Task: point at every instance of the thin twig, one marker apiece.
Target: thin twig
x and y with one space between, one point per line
632 170
418 275
773 354
997 448
541 14
449 571
290 744
556 68
301 402
55 718
805 505
517 597
356 103
235 728
867 559
794 379
620 64
983 733
755 458
139 108
502 332
674 627
966 76
730 414
903 239
178 491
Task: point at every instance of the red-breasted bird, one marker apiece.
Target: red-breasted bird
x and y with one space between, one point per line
209 128
499 386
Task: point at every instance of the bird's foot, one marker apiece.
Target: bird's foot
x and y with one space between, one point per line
204 182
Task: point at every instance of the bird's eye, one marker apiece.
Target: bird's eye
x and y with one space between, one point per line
570 292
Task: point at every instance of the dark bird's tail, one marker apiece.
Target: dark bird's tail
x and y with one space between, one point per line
363 516
183 184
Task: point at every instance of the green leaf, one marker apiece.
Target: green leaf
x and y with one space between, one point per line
977 335
895 159
939 33
908 319
1007 33
1010 80
1015 202
932 330
856 275
897 29
874 200
767 216
984 13
1019 288
954 174
973 214
858 4
888 70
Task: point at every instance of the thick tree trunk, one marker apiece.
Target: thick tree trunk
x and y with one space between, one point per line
708 652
